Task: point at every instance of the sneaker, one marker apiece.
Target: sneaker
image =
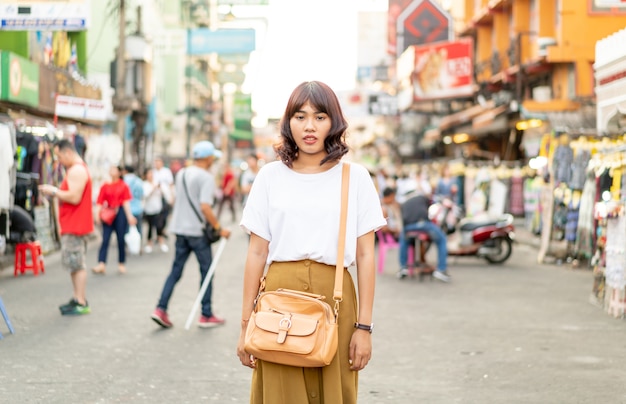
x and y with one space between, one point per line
403 273
164 248
73 308
147 249
160 317
442 276
209 322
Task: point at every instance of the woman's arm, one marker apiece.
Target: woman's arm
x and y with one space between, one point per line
258 250
361 343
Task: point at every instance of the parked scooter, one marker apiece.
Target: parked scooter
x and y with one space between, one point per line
488 237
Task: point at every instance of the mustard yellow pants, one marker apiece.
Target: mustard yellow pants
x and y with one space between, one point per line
333 384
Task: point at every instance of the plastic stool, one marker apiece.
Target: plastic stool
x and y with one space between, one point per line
36 258
6 318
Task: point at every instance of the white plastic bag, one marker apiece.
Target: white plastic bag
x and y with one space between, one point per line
133 240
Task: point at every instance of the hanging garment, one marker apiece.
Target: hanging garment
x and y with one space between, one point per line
579 169
583 246
6 166
562 163
571 224
517 196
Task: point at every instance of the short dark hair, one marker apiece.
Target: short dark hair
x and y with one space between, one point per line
129 169
324 99
388 191
65 144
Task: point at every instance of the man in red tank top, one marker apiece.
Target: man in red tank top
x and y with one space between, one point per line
75 220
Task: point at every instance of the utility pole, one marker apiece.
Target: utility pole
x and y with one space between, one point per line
119 102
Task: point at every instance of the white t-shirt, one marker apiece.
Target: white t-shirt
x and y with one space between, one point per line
299 213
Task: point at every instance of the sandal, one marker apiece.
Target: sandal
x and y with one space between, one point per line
121 269
100 270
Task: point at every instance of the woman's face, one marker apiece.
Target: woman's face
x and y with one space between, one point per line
114 173
149 176
310 128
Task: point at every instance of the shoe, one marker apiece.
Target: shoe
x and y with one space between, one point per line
147 249
73 308
160 317
403 273
442 276
210 322
164 248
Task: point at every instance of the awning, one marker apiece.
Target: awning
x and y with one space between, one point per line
552 105
463 116
581 122
487 118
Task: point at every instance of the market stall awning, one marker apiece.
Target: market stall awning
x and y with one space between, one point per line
461 117
487 118
574 122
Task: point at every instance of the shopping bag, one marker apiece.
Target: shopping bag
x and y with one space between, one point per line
133 240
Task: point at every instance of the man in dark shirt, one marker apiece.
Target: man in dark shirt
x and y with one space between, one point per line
415 218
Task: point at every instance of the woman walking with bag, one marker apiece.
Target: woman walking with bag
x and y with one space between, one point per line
113 211
292 215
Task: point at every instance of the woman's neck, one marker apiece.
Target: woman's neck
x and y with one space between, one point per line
305 165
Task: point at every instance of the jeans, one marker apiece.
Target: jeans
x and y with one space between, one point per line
185 245
436 235
120 227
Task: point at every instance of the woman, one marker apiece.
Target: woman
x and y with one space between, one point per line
114 194
446 186
292 215
153 204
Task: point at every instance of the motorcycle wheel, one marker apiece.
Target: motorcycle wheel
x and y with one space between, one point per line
505 245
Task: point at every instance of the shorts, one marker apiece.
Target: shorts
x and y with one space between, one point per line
73 251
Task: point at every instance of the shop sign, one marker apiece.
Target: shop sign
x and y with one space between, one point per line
29 15
54 81
80 108
242 117
422 22
203 41
20 80
611 7
443 70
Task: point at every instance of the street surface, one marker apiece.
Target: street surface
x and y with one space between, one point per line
519 333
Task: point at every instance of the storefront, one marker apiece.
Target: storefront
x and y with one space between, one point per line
609 288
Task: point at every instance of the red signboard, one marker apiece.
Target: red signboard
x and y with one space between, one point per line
443 70
395 8
422 22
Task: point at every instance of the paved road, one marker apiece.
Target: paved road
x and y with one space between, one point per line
521 333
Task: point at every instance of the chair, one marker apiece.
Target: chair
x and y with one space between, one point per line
6 318
387 242
22 265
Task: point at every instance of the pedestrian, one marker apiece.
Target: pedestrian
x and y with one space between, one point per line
135 184
446 184
153 204
248 176
392 212
229 190
292 215
198 196
164 177
114 194
75 221
415 218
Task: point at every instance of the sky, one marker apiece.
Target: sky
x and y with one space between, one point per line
303 40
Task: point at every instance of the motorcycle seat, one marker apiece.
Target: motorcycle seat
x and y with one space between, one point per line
471 226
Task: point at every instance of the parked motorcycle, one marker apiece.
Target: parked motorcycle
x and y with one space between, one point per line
488 237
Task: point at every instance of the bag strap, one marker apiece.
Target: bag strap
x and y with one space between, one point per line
341 246
189 199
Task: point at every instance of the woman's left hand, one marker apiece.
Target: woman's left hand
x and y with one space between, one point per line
360 349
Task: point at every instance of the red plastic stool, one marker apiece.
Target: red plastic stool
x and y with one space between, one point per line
36 258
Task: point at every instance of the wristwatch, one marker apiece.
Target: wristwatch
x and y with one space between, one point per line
360 326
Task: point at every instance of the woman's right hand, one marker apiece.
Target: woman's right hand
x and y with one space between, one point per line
245 358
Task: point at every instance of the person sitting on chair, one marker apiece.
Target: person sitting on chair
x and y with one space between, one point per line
415 218
392 212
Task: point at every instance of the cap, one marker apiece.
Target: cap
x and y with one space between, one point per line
205 149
